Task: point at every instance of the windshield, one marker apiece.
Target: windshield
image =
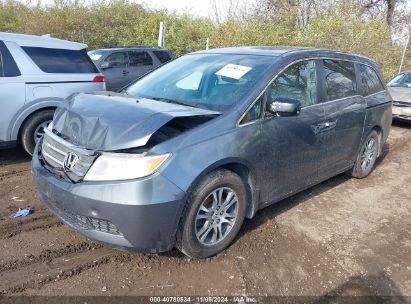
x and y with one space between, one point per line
211 81
402 80
96 55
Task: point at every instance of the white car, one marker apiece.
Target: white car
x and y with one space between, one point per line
400 90
36 74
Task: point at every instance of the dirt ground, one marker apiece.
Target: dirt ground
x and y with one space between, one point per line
344 236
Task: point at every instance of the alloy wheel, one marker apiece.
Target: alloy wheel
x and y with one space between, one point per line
369 154
216 216
39 131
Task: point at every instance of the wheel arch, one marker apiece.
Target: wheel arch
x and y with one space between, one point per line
242 169
28 110
29 117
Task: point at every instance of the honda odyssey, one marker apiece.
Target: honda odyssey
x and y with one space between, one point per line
183 155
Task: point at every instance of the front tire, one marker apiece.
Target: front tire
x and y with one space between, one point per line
214 215
367 156
33 129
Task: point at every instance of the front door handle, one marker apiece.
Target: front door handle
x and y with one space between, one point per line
330 124
125 72
324 126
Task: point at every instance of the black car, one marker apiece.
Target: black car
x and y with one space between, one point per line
122 66
182 156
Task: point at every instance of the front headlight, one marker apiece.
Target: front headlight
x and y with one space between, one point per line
122 166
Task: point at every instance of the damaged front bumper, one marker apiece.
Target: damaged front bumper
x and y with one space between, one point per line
401 110
139 214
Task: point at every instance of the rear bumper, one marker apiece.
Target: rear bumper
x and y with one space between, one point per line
139 214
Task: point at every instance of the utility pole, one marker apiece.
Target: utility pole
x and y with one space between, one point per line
161 34
207 41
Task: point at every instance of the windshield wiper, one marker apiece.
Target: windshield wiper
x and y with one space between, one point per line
172 101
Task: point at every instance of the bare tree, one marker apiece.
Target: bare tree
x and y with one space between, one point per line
307 9
382 5
222 10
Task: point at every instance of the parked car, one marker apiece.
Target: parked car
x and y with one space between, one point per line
36 74
400 90
122 66
182 156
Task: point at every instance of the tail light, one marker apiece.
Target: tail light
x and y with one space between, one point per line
99 79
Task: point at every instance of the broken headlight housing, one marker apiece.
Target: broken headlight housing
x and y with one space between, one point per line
123 166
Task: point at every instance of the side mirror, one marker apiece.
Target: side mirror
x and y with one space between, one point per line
284 107
105 65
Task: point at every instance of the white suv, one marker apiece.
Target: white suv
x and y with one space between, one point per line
36 74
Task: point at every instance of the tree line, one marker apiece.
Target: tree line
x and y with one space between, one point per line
367 27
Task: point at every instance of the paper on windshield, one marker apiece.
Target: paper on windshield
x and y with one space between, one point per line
95 57
234 71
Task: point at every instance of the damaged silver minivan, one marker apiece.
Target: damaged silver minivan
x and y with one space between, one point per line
183 155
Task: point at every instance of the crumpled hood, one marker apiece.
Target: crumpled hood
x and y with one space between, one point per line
400 94
110 121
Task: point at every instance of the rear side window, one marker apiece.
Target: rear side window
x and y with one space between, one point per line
163 56
61 61
369 80
339 79
8 67
140 58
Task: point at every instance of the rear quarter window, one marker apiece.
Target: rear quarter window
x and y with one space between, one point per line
370 81
61 60
163 56
8 67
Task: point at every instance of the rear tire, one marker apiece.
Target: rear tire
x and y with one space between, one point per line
33 128
213 216
367 156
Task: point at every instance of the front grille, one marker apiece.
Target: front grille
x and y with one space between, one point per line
401 104
54 151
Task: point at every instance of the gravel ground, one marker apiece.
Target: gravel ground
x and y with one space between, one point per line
344 236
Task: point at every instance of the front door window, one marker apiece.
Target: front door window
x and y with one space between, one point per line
297 82
117 60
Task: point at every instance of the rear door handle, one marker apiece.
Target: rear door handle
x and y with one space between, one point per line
125 72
